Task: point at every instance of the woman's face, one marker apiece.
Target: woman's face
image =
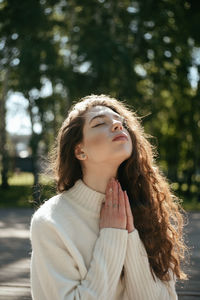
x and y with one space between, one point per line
102 125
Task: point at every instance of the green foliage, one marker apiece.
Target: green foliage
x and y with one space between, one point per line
21 191
16 196
22 196
138 51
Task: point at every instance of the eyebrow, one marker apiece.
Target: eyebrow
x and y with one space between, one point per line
103 116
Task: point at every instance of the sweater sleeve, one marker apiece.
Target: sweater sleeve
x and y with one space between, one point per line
54 271
139 282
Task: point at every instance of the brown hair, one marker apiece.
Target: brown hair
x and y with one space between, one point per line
156 210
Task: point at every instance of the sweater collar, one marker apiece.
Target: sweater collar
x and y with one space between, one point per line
86 196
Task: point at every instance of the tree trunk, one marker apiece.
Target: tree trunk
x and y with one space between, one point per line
34 147
3 135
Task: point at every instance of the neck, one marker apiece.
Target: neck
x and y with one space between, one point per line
98 177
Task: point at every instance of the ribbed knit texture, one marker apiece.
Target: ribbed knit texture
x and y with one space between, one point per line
73 260
139 281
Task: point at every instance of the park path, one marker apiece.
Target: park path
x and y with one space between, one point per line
15 252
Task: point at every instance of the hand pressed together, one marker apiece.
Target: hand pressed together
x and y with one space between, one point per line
116 211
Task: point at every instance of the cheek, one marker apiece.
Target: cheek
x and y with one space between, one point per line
96 140
98 146
131 147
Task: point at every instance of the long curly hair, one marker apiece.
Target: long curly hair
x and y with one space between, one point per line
157 212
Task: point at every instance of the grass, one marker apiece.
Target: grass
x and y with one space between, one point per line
16 196
192 205
20 193
21 179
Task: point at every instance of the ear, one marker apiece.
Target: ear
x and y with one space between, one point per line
79 152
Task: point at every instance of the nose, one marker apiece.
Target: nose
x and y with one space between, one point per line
117 125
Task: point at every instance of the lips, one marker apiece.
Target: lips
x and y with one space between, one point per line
120 136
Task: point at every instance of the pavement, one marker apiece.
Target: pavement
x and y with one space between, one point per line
15 253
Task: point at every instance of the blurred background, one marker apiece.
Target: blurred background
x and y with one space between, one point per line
53 52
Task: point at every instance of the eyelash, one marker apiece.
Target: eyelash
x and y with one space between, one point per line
124 123
98 125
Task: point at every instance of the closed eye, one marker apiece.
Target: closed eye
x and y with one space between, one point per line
124 123
98 125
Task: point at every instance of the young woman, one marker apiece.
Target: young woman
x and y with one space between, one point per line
114 231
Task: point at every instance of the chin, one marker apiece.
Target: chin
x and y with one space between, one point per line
122 158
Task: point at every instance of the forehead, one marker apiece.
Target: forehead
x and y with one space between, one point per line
99 109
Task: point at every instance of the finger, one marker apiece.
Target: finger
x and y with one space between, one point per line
115 196
122 207
128 207
108 185
109 193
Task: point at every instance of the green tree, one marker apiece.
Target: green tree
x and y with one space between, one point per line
140 51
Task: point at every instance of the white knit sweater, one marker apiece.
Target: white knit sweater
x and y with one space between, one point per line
73 260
